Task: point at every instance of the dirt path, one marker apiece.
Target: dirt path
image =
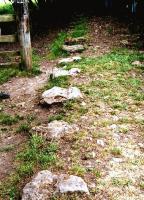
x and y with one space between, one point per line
23 95
108 151
25 89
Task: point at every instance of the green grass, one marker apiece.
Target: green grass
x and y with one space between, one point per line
111 81
36 59
23 128
62 81
97 173
79 29
141 185
69 105
59 116
6 119
116 68
6 9
56 46
78 170
116 151
121 182
8 73
36 155
38 152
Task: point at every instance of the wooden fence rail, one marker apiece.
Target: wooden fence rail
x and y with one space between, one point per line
23 34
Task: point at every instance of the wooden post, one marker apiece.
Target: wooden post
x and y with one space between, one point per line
24 32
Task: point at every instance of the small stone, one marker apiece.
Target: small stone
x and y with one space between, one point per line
58 94
139 117
55 129
21 104
62 72
65 61
115 118
117 160
83 104
74 71
137 63
141 145
116 137
100 142
90 166
114 127
92 185
142 52
89 138
124 42
90 155
72 184
84 117
77 40
39 187
73 48
56 72
37 110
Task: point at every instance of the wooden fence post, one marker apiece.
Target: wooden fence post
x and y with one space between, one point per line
24 32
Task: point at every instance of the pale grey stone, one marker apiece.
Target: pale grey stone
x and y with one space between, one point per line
59 128
58 94
90 166
116 137
92 185
22 104
100 142
83 104
74 71
38 188
57 72
55 129
124 42
141 145
115 118
114 127
65 61
73 48
71 184
137 63
90 155
42 187
117 160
